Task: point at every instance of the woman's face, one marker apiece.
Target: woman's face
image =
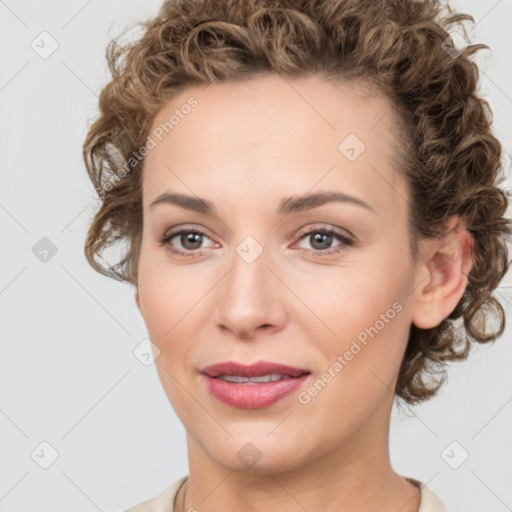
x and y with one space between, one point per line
256 279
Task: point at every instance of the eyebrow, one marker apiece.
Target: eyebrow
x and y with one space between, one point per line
287 205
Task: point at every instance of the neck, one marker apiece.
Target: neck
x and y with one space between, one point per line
355 475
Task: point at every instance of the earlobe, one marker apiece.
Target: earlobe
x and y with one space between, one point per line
444 278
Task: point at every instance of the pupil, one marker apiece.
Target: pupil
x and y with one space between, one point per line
326 243
189 237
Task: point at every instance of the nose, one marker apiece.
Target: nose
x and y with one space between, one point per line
251 298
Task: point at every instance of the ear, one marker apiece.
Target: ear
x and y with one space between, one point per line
442 275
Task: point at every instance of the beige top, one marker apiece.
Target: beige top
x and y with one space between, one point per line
164 502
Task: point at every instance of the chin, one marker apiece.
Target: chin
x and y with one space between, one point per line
259 456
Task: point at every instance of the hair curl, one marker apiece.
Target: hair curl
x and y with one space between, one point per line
451 160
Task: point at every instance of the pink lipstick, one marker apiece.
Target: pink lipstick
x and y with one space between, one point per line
253 386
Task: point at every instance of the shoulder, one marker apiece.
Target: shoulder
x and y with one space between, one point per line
163 502
430 501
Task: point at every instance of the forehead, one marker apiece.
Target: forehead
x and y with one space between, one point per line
270 133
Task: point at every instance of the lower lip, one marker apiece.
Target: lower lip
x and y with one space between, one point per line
253 396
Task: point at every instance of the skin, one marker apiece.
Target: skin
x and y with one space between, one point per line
244 147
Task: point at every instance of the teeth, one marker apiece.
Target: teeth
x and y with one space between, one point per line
271 377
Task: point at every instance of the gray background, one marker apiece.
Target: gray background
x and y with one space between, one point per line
68 373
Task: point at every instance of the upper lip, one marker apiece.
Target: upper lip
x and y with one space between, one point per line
253 370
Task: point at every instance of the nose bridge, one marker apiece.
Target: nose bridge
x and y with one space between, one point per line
247 285
249 298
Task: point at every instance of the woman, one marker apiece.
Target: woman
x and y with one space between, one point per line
308 192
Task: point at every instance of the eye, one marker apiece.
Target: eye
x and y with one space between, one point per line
321 240
190 240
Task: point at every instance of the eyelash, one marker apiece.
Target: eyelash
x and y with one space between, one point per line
346 242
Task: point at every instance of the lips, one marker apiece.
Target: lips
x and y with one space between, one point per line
229 383
253 370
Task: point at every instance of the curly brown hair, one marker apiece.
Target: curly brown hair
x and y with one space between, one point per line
452 161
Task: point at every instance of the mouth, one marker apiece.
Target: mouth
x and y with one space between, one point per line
252 386
266 370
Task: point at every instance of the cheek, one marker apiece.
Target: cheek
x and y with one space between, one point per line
165 294
360 362
365 307
156 306
166 307
353 296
